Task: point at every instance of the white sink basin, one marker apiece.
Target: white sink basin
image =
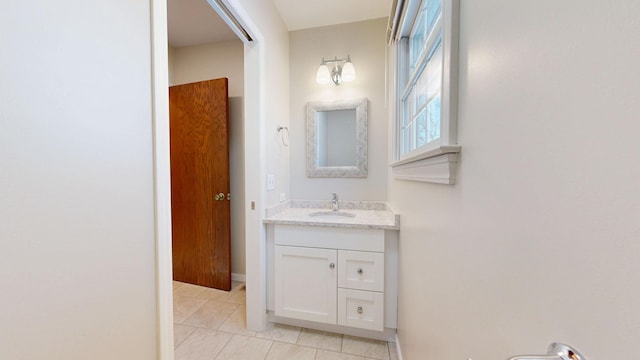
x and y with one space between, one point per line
332 215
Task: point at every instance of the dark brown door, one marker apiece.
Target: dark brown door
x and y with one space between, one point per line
199 117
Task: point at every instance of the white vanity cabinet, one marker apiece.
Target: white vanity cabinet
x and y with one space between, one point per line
339 276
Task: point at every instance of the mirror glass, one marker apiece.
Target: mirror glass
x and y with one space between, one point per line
337 138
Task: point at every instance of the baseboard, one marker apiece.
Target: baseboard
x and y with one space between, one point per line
398 351
238 277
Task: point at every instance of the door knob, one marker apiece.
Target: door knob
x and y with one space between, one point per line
219 196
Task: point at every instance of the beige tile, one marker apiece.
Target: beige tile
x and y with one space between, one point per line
202 345
238 297
245 348
180 333
280 332
176 285
237 323
184 306
320 340
188 290
365 347
238 286
213 294
282 351
393 351
330 355
211 315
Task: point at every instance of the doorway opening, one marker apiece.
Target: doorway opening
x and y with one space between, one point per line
251 161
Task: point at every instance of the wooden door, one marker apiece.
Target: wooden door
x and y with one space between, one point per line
199 119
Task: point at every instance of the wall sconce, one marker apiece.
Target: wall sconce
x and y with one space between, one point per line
339 73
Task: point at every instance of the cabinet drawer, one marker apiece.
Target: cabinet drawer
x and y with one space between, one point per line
361 270
361 309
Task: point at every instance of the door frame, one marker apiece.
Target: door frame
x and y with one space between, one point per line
255 165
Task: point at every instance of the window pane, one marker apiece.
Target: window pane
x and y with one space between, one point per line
410 107
407 137
434 115
433 10
417 39
420 90
421 114
434 73
421 129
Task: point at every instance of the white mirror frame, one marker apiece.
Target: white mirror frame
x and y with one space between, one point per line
360 169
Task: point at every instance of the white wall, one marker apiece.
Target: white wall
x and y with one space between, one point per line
539 239
171 60
276 95
212 61
365 42
76 181
267 105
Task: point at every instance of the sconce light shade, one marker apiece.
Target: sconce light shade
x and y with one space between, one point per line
348 71
339 73
322 76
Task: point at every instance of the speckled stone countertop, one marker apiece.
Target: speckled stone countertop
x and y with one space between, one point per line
368 214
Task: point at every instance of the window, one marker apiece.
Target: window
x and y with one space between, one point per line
424 36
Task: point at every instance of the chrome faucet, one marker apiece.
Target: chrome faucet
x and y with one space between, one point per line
334 202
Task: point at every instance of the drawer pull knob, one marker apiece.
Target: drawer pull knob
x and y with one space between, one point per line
360 271
360 310
332 266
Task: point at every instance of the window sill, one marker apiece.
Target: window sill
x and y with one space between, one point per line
435 166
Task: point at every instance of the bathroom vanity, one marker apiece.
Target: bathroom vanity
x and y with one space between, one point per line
333 270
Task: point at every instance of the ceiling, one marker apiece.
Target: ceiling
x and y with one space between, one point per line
194 22
303 14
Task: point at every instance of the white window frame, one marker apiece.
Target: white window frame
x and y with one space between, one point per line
435 161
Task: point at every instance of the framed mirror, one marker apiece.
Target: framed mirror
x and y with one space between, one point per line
337 138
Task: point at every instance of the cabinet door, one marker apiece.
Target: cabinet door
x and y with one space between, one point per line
306 283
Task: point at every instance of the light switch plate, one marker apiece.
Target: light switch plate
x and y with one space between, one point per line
271 182
283 197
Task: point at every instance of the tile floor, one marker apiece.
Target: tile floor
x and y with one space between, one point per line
209 324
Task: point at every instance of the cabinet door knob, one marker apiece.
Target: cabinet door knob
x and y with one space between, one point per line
332 266
360 271
360 310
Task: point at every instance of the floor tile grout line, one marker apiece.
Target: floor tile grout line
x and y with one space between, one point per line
252 334
270 347
175 346
222 349
282 342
